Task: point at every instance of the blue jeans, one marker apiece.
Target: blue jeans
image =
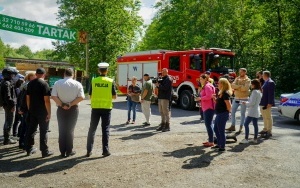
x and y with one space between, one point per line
235 106
219 128
208 117
247 122
131 106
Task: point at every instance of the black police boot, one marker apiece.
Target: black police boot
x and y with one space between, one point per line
167 127
160 127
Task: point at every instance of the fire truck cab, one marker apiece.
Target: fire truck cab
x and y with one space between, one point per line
184 67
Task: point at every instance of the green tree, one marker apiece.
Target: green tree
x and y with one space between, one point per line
25 51
262 33
2 50
112 28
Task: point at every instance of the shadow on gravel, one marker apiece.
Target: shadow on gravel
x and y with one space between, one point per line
58 166
14 164
124 127
138 136
193 122
201 161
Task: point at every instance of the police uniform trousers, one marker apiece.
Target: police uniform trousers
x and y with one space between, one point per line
67 120
105 115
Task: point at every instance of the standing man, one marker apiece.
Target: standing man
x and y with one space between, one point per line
266 103
9 101
241 86
102 92
39 112
164 98
147 92
67 93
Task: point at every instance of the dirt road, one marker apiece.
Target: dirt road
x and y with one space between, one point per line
142 157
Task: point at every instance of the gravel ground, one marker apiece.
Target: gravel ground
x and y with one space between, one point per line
142 157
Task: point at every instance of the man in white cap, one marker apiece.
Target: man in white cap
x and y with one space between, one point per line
102 92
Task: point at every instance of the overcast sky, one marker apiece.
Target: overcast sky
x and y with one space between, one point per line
44 11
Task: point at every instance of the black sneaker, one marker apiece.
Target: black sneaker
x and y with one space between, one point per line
221 149
47 154
215 147
160 127
31 151
267 136
106 154
71 154
88 154
9 141
145 124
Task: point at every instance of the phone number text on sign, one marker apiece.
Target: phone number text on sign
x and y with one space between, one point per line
16 25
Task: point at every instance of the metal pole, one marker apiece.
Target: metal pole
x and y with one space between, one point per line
87 56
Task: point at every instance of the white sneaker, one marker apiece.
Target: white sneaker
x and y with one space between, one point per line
244 141
254 141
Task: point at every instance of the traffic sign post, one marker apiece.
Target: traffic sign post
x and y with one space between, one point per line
36 29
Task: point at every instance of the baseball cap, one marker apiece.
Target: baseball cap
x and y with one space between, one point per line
146 74
103 65
207 72
40 71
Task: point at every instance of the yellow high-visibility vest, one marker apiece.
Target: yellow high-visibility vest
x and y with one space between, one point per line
101 93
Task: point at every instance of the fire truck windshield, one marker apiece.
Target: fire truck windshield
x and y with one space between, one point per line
219 63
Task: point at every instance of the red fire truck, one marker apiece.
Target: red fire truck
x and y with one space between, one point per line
184 67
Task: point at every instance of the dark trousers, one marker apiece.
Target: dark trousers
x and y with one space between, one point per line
201 113
67 120
96 114
246 124
208 117
34 122
8 123
219 128
23 130
17 124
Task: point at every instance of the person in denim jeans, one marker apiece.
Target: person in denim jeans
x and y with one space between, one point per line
223 108
241 86
133 94
253 110
208 105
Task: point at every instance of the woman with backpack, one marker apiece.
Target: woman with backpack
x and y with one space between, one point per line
208 106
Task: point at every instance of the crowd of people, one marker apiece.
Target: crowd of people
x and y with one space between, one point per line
218 104
28 103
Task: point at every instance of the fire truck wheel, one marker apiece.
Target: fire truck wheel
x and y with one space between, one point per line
186 101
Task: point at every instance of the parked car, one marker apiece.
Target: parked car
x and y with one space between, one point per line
290 105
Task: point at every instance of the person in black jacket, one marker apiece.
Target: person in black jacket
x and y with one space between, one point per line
9 100
164 97
23 110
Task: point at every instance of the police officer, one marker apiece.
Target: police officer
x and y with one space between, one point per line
102 92
9 101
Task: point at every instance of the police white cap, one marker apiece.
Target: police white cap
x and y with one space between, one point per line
103 65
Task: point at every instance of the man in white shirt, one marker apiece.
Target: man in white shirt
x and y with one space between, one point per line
67 93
